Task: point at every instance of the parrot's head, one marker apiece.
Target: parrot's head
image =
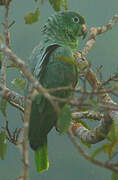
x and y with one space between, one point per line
73 24
65 28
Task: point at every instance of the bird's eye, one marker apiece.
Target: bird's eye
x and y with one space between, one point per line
75 19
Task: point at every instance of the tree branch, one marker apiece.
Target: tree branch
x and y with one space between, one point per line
26 127
97 31
87 115
98 134
86 156
12 97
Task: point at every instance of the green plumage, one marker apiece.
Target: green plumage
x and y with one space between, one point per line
59 38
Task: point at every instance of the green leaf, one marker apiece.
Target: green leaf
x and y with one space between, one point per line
32 18
19 83
110 149
1 38
67 59
64 4
113 135
97 151
58 4
3 145
86 144
84 123
114 176
64 119
3 105
114 84
12 65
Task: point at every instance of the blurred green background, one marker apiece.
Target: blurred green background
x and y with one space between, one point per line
66 163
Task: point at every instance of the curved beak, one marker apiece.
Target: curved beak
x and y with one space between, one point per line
84 31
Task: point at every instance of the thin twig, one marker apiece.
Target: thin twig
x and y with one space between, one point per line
3 71
97 31
26 127
6 24
7 41
25 154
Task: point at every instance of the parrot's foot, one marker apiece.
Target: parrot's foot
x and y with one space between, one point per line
75 126
79 54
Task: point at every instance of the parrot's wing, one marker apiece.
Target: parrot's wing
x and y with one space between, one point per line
38 60
44 59
55 71
39 55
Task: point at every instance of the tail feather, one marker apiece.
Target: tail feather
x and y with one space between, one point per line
41 122
41 158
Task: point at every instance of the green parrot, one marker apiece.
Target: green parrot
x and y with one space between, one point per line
59 38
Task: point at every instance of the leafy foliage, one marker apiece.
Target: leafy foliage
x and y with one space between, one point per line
109 147
84 123
32 18
3 105
19 83
3 145
64 119
114 84
57 5
113 138
13 65
115 176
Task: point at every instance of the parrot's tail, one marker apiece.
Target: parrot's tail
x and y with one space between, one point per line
41 157
39 127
